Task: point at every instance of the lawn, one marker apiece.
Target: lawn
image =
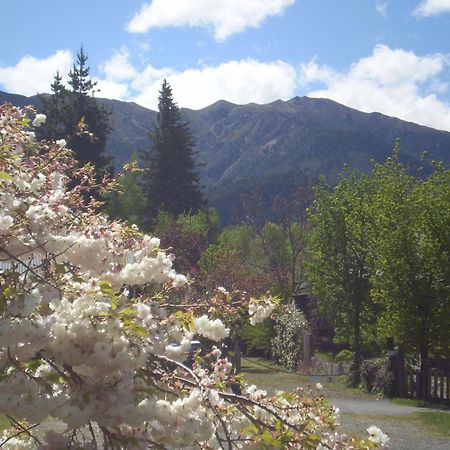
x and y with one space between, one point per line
4 422
272 377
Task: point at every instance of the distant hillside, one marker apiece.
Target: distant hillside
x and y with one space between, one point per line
276 145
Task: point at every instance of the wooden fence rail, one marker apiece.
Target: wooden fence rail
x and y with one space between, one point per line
432 385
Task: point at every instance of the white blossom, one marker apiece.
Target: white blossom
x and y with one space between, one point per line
61 143
260 311
6 223
377 436
39 120
211 329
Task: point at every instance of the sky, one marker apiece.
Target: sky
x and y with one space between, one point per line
390 56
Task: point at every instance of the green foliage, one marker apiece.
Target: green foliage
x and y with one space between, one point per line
257 338
287 346
338 271
187 235
376 375
171 182
75 115
127 202
204 223
380 264
345 356
411 257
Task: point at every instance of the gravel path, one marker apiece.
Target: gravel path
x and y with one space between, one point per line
373 407
359 414
405 433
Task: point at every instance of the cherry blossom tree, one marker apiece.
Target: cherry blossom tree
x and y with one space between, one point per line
94 328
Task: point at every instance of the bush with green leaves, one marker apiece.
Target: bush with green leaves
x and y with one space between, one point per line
257 338
287 345
376 375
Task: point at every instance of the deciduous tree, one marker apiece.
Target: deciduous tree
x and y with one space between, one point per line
338 272
411 257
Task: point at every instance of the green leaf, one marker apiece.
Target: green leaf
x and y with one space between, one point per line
8 292
250 430
103 284
186 319
106 288
34 364
60 268
267 438
127 312
138 330
5 176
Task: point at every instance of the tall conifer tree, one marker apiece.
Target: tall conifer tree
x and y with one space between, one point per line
68 108
172 182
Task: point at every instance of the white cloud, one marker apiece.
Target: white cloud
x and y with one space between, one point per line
225 17
381 8
432 8
241 82
32 75
394 82
112 89
118 67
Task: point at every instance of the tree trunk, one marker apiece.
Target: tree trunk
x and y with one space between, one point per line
237 354
357 359
423 393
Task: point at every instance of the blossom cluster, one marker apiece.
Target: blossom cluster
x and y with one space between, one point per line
87 322
259 310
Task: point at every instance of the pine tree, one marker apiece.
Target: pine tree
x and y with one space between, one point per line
67 109
172 182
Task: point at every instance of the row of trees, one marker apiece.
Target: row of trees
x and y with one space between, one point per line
169 180
373 253
380 258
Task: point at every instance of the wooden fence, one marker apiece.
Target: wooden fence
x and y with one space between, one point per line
434 385
430 384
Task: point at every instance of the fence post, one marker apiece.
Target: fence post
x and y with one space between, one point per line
397 369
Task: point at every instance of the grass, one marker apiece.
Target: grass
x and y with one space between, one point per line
4 422
421 424
436 422
418 403
324 356
272 377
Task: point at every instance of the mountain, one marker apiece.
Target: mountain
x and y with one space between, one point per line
277 145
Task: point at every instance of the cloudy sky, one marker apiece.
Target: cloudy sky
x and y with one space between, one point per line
391 56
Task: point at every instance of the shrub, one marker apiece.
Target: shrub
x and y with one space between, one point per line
345 356
257 338
287 345
376 375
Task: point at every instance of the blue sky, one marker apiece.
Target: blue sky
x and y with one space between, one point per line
390 56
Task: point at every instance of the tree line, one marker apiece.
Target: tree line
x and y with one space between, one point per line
168 181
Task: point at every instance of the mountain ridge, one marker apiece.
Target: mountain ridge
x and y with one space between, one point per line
301 137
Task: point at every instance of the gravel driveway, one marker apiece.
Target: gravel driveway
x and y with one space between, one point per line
357 415
360 412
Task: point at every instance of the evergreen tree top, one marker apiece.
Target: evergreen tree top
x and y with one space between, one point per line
172 183
79 75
